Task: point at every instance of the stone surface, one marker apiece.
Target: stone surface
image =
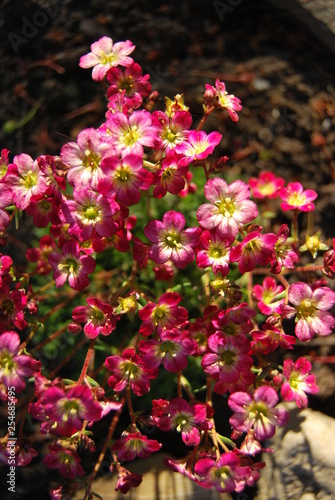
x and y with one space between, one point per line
317 15
302 466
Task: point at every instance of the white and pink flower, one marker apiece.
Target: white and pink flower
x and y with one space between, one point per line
170 241
230 207
311 310
105 54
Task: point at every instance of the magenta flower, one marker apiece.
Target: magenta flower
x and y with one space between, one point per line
44 210
98 317
129 134
230 207
6 196
170 177
15 367
135 444
67 411
126 479
311 310
71 265
299 380
5 266
266 185
270 338
171 241
41 254
268 295
165 315
89 214
295 198
284 254
185 418
4 164
256 248
84 158
135 86
12 306
171 130
105 54
220 473
129 369
228 357
258 413
25 179
199 145
124 178
172 350
63 456
220 98
214 252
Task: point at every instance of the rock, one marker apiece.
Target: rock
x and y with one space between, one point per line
317 15
302 465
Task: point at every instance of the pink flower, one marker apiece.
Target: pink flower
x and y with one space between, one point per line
128 135
64 457
41 254
258 412
5 266
84 158
187 419
198 146
135 85
171 130
230 207
98 317
25 179
44 210
134 444
89 214
104 55
71 265
15 367
266 185
4 163
299 380
170 177
295 198
126 479
267 295
171 241
67 411
171 349
124 178
329 262
220 98
228 357
12 306
256 248
165 315
270 338
220 473
284 254
6 196
214 251
129 369
311 310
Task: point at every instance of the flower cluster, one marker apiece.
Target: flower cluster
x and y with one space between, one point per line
147 292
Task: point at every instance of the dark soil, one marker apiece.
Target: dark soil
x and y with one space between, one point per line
284 77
